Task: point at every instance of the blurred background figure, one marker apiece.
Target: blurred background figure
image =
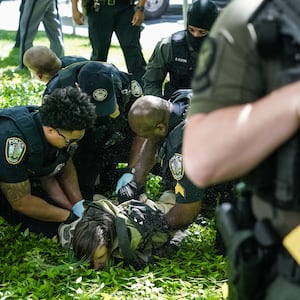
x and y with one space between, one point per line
34 12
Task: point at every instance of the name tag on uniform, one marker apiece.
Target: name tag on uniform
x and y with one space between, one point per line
292 243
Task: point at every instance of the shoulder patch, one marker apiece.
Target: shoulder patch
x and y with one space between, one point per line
136 89
15 149
176 166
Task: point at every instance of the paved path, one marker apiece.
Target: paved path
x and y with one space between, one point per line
154 29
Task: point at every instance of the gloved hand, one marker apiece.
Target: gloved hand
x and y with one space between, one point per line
78 208
125 178
66 230
130 191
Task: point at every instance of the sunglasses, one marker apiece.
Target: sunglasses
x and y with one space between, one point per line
68 142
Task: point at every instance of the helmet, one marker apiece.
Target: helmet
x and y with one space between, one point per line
202 14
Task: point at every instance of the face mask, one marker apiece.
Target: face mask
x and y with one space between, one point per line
194 42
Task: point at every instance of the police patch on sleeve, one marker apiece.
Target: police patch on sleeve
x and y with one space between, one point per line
176 166
136 89
15 149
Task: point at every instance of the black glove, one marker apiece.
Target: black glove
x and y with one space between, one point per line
130 191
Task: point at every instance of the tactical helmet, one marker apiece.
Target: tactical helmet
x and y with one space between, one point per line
202 14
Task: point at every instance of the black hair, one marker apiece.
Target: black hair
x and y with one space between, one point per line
96 228
67 109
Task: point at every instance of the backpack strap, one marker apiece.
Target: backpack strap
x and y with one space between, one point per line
124 242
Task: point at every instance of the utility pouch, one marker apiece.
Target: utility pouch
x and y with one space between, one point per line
247 259
245 263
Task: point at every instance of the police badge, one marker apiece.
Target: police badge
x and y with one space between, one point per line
176 166
136 89
15 149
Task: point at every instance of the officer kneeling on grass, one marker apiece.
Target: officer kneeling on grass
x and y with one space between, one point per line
161 122
38 181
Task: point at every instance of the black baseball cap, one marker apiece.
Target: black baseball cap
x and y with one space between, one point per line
100 81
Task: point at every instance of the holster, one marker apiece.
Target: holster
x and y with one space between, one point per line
251 252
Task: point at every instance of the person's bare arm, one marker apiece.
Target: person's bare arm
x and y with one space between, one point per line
139 15
51 186
68 181
229 142
20 198
76 13
182 215
146 161
135 150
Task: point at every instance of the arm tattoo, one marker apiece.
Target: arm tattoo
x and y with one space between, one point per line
15 191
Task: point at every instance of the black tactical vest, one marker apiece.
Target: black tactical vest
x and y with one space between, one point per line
173 141
277 25
23 117
182 68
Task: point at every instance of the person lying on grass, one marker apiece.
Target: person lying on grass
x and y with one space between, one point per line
133 232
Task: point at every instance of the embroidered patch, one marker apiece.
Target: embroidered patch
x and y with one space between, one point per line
179 189
15 149
176 166
136 89
100 94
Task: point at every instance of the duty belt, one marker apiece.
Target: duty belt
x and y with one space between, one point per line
287 267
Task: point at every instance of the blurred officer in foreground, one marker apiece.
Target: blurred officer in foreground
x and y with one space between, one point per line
161 123
177 55
246 96
110 141
38 181
44 64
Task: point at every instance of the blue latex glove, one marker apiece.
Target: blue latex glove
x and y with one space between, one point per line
125 178
78 208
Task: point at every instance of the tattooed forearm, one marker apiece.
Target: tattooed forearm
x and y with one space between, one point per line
15 191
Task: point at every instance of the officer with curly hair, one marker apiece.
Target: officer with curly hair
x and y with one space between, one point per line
38 181
113 92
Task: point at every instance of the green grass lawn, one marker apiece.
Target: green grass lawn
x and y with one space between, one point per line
35 267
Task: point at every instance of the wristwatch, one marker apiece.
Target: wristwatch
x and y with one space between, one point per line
140 8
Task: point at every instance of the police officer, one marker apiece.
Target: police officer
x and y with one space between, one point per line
111 140
122 17
44 64
162 122
38 182
177 55
256 137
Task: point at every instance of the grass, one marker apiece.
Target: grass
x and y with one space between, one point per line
35 267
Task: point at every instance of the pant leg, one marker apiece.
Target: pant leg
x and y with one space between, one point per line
129 39
33 13
53 27
21 8
100 26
